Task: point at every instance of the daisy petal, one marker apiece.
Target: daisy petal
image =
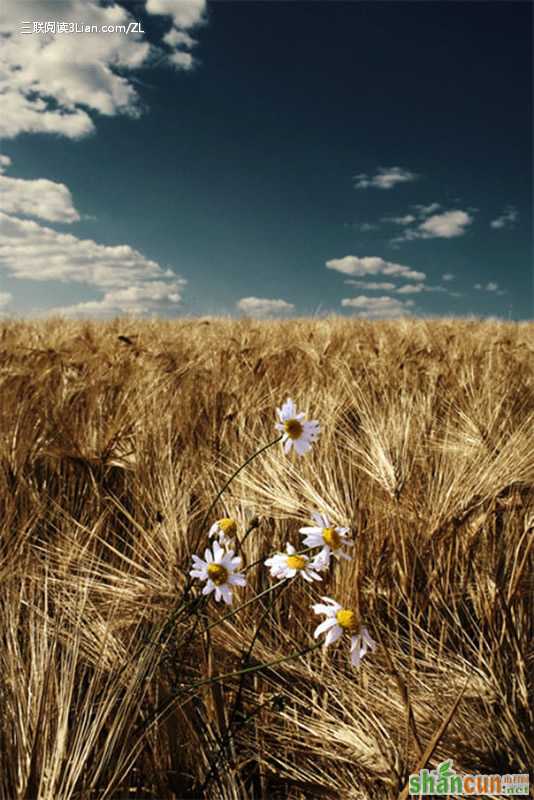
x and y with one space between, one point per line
226 593
321 608
325 625
199 573
333 635
237 580
218 552
301 446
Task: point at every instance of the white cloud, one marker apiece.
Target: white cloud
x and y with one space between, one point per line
367 226
447 276
378 307
386 287
5 298
49 82
181 59
179 39
130 281
385 178
405 220
31 251
491 286
184 13
36 198
156 297
410 288
372 265
416 288
507 218
424 211
262 306
447 225
176 38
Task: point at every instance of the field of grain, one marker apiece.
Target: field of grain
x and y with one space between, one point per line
114 439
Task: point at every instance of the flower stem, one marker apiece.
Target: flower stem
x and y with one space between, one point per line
234 475
256 668
248 602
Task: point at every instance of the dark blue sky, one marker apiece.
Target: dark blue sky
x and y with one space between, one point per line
239 174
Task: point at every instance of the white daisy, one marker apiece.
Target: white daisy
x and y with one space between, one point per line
329 538
341 620
288 564
321 561
297 432
224 529
218 570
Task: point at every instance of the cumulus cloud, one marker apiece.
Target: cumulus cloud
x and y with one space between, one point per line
30 251
385 178
372 265
378 307
405 220
36 198
424 211
156 297
506 220
5 298
49 81
491 286
176 38
411 288
262 306
417 288
447 225
371 286
447 276
184 13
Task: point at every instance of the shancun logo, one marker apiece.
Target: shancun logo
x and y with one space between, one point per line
444 780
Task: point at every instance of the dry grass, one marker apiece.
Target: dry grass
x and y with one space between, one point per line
113 440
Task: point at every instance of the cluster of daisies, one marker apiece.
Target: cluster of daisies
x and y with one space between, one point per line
219 567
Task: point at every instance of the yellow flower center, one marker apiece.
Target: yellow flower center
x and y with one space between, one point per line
293 428
332 538
217 573
346 619
296 562
228 526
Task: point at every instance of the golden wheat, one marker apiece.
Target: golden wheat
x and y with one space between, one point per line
114 439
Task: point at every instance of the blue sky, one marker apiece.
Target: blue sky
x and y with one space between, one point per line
370 159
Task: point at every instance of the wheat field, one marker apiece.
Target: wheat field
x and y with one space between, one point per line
115 438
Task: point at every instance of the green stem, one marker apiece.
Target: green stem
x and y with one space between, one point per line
235 474
167 705
246 659
257 668
181 604
244 605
